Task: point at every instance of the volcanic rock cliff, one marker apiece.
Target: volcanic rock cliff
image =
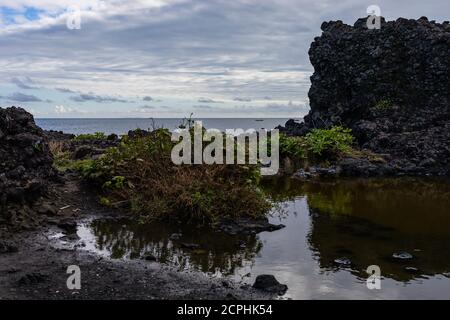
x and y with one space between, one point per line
25 162
391 86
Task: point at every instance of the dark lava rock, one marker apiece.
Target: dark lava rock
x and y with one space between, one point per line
60 136
68 226
47 209
7 247
402 256
25 161
138 133
231 296
391 87
268 283
32 278
247 226
113 137
149 257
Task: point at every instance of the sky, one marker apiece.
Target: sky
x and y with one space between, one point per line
170 58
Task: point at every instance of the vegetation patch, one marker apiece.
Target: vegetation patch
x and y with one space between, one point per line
319 144
330 142
91 136
139 174
384 104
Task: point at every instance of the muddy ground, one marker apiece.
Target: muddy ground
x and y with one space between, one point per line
33 264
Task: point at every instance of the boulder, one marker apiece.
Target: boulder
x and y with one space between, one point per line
390 86
25 160
268 283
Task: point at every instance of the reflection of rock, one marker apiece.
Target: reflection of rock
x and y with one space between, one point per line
365 243
247 226
367 220
267 282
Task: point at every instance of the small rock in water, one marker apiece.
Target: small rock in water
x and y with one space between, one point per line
343 261
412 270
175 236
68 225
268 283
402 255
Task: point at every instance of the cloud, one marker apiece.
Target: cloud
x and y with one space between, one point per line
202 107
180 49
23 84
65 110
83 97
147 98
62 109
21 97
208 100
147 107
65 90
242 99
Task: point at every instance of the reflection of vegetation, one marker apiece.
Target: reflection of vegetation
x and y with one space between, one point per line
216 252
281 189
367 220
337 202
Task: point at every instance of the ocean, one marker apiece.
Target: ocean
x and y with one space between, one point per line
121 126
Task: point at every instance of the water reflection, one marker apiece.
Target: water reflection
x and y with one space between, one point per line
367 221
362 221
197 248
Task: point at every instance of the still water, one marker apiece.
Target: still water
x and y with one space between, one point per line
359 222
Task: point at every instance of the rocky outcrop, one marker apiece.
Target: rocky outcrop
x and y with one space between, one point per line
390 86
81 148
25 161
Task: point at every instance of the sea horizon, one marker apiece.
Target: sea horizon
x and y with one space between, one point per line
123 125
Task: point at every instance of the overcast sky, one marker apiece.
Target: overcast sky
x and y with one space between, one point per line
167 58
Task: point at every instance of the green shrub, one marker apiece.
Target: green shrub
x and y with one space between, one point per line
384 104
91 136
293 147
140 172
331 141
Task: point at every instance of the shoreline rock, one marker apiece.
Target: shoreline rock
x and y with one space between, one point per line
25 165
391 87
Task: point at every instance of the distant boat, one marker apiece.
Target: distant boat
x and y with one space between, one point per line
259 119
